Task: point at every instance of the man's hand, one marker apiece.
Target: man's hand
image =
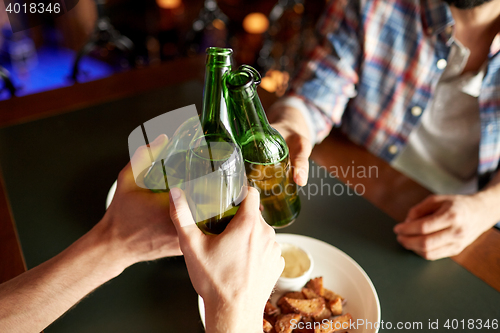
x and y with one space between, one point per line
443 225
138 221
235 271
136 227
292 126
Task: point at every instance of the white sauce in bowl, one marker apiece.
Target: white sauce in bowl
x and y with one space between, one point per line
297 262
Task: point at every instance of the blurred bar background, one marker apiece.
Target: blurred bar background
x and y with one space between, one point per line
99 38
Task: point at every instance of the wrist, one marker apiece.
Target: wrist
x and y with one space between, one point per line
102 251
486 201
226 316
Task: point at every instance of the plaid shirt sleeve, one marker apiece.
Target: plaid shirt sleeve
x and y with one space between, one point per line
327 79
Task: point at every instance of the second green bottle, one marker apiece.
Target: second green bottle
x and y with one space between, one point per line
264 150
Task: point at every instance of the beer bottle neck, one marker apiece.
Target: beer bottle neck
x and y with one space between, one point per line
214 107
260 142
245 102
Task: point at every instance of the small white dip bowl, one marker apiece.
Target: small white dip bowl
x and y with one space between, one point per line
298 267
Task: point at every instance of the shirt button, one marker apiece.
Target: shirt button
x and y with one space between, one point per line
441 63
416 111
393 149
490 128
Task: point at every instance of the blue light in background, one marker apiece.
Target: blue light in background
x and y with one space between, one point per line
53 70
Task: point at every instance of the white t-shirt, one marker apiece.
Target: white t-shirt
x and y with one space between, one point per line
442 152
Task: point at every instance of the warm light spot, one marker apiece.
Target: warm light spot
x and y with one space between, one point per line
298 8
275 82
268 84
219 24
169 4
255 23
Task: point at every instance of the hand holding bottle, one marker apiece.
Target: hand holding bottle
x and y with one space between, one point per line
292 126
235 271
137 220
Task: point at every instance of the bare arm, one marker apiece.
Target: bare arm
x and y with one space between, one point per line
33 300
136 227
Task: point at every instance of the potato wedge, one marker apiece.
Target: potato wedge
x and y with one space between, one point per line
284 324
325 314
330 295
309 293
292 295
335 306
316 284
270 309
306 307
340 323
267 327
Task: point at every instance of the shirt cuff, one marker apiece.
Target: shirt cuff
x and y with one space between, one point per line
299 104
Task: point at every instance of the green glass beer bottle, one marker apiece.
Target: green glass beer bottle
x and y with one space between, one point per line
170 166
215 172
264 150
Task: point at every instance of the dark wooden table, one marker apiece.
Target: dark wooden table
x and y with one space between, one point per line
142 94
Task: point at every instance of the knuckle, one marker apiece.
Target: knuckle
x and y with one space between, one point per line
425 227
452 214
122 176
459 232
425 244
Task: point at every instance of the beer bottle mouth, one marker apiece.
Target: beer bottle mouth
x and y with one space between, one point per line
219 50
219 56
244 77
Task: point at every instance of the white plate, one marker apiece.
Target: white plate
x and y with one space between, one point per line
342 275
111 194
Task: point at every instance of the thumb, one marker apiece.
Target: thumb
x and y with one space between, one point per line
248 212
144 157
300 150
251 204
181 216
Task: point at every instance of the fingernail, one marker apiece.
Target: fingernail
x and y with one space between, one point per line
175 193
396 228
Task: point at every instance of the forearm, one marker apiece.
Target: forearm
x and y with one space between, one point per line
227 317
33 300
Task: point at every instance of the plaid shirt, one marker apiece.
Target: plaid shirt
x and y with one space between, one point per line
378 60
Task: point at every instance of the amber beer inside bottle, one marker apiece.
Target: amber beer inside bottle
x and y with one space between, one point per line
264 150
